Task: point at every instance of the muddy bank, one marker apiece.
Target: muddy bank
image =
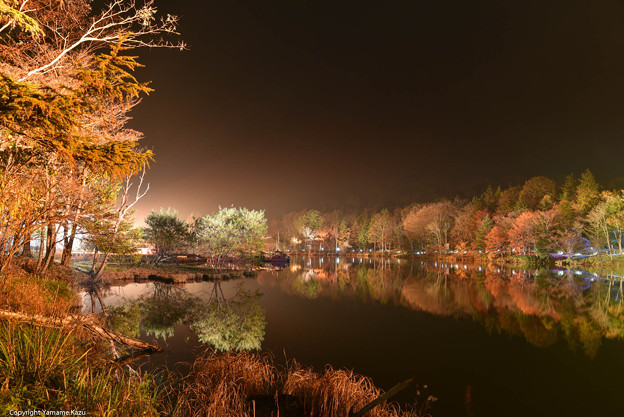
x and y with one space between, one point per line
169 275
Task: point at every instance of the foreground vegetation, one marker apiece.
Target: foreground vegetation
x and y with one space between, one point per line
67 368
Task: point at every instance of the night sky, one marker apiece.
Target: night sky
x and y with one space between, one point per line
284 105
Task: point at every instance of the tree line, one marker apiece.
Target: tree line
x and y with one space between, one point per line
539 217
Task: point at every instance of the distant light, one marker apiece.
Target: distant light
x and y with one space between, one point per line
337 249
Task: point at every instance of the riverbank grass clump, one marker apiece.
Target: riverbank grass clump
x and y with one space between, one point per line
248 384
57 369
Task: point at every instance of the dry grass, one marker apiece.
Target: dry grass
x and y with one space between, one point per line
224 384
334 392
24 292
220 383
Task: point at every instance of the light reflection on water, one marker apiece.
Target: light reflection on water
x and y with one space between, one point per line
495 336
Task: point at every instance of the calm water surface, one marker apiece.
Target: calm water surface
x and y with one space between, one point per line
487 342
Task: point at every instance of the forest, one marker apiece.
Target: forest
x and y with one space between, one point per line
537 218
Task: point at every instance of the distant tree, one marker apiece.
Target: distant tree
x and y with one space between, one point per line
587 192
196 227
598 226
439 219
412 227
330 229
523 236
496 241
482 231
234 231
344 233
509 199
354 231
488 200
362 236
568 190
381 230
570 238
546 229
308 225
166 232
534 191
463 225
614 204
111 229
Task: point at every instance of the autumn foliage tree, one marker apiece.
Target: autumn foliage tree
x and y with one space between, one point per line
66 86
496 241
523 233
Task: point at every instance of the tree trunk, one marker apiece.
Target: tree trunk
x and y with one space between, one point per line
41 248
84 321
51 248
26 249
67 250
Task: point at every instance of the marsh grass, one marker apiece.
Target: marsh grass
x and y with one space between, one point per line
231 384
333 392
56 369
219 384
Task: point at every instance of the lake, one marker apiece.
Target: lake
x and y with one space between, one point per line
485 341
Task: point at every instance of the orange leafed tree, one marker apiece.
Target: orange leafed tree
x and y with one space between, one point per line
496 241
523 233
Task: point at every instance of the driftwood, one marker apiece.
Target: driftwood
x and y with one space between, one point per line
81 320
391 392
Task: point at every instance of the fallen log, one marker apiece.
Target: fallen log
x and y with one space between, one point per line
391 392
81 320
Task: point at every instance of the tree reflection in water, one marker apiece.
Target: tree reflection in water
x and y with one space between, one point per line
237 323
542 306
163 308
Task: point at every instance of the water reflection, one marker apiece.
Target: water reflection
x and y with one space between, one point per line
225 323
162 307
236 323
542 306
